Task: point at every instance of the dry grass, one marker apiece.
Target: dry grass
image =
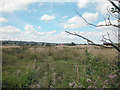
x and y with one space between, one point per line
60 66
109 54
14 46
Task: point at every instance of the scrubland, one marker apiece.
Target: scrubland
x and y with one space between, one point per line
60 67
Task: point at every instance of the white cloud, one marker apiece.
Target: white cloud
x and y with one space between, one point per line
109 29
90 16
46 17
51 32
74 22
64 17
30 31
83 3
30 34
61 37
7 6
14 5
77 22
103 6
3 20
34 35
74 19
28 27
64 37
9 29
39 27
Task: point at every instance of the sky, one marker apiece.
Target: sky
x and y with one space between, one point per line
45 21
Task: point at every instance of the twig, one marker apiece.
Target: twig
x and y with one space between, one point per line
106 43
114 5
110 24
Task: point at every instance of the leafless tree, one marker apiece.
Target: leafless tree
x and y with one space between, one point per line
106 40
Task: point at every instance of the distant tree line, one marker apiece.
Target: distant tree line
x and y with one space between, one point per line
25 43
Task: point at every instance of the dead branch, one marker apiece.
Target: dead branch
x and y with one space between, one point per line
114 5
106 43
107 24
80 36
113 45
113 15
106 40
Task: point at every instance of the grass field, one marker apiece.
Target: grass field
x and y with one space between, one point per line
60 67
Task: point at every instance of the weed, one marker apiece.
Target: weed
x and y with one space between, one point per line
60 67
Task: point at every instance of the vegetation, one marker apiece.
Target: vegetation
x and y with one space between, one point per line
60 67
25 43
71 44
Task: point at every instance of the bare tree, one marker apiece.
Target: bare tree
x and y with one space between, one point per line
114 12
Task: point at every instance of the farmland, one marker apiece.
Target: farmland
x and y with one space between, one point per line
83 66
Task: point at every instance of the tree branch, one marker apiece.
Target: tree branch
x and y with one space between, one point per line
114 5
107 24
106 40
106 43
117 48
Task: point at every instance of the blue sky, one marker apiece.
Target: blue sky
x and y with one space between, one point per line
47 21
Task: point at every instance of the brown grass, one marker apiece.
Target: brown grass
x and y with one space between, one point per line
109 54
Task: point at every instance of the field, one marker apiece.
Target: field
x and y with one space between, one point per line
60 67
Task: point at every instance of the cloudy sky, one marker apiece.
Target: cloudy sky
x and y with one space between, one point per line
45 21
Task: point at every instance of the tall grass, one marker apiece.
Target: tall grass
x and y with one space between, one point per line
60 67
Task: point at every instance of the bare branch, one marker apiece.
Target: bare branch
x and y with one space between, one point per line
114 5
109 19
116 47
116 34
110 24
83 38
104 39
111 44
107 40
113 15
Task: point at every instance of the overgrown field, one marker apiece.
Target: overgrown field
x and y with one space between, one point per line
60 67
